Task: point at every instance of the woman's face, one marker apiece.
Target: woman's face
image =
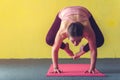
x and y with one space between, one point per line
75 40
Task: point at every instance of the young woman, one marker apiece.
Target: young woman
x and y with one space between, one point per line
74 23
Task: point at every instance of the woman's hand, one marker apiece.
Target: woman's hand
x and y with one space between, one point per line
92 71
56 70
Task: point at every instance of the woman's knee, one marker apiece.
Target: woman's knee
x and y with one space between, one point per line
49 41
100 42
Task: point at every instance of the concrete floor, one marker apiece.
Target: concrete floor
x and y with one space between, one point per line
36 69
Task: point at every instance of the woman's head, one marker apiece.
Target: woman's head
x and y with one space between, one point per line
75 32
75 29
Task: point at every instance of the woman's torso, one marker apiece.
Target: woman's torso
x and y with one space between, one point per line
74 14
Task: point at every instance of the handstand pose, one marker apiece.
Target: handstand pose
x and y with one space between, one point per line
74 23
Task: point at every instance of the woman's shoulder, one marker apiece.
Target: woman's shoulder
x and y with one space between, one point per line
88 31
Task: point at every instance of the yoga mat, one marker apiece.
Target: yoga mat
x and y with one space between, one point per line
73 70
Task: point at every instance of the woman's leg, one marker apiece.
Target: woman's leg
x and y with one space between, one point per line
98 34
53 31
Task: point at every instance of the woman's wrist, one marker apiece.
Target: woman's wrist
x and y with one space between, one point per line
56 67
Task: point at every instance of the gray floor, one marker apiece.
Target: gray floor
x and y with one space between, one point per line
36 69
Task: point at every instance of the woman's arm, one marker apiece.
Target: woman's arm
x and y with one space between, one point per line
93 49
55 49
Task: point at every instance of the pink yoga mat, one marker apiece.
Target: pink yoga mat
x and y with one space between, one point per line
73 70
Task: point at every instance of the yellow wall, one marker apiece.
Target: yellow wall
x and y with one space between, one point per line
25 23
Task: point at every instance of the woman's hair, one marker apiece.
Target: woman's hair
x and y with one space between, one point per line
75 29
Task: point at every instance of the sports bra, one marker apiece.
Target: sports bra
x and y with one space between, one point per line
81 11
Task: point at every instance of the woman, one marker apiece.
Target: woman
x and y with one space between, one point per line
74 23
